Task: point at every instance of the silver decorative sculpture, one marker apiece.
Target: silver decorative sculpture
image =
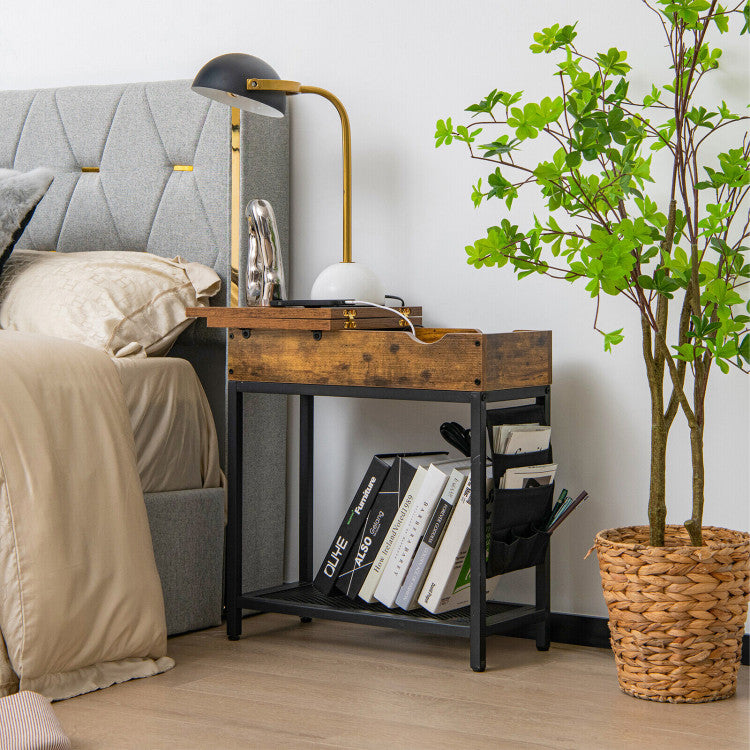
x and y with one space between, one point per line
265 265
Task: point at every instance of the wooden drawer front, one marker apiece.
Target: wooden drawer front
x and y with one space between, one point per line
439 360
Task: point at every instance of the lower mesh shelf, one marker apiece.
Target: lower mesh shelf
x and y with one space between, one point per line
305 600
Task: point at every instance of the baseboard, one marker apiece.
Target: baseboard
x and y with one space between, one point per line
584 630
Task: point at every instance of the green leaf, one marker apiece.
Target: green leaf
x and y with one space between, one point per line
499 147
552 38
477 195
685 352
612 339
721 19
550 109
725 113
645 282
463 134
744 348
487 104
443 132
521 121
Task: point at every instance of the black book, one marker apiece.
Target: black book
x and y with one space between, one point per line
370 538
351 525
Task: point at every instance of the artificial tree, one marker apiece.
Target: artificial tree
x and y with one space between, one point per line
671 248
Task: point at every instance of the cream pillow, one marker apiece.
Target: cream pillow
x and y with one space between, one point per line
125 303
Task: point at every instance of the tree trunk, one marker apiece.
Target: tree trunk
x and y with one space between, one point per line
657 501
694 524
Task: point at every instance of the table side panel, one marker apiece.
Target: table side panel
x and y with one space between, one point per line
517 360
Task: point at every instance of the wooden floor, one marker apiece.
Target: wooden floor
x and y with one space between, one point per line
334 685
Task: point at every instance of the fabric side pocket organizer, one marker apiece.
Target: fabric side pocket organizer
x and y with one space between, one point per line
519 552
517 539
515 415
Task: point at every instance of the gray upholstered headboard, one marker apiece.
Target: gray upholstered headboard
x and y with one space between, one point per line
147 167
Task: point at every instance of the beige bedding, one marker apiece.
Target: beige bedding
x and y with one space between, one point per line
81 604
175 436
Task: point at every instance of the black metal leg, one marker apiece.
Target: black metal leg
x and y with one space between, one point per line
547 402
543 570
233 563
306 439
543 602
478 620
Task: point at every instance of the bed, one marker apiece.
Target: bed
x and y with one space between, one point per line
147 167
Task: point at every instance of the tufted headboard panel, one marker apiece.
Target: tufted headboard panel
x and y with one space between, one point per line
147 167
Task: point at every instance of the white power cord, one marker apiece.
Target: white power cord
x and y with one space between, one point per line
383 307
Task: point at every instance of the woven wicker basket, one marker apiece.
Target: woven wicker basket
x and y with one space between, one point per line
676 613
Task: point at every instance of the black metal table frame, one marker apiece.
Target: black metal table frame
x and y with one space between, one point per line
479 624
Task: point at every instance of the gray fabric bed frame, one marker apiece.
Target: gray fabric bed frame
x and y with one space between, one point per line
147 167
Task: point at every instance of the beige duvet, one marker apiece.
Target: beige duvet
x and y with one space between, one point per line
81 604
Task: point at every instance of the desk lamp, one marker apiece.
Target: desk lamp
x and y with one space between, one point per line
246 82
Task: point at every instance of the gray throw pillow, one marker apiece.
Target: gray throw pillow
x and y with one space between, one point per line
20 192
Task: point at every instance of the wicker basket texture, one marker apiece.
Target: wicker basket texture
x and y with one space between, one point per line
676 613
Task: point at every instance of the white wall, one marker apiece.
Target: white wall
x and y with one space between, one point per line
398 66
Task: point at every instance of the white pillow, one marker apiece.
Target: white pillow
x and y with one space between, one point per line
125 303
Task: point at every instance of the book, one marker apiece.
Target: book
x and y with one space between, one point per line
378 522
501 432
448 583
367 590
350 525
520 477
409 535
527 441
412 586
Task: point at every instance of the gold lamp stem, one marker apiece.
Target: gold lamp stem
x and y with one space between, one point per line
346 142
234 263
293 87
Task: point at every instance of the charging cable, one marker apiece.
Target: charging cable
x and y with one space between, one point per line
383 307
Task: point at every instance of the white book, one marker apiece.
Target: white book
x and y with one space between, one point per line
411 532
527 441
367 591
448 584
520 477
433 535
501 432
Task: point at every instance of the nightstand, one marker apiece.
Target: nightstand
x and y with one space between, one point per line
441 365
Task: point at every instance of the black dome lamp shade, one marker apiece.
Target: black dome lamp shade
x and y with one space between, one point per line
225 78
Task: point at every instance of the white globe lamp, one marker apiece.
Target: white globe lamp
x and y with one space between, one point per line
348 281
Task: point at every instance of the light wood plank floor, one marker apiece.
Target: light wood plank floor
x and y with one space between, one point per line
334 685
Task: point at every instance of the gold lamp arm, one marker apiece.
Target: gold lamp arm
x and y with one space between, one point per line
293 87
346 142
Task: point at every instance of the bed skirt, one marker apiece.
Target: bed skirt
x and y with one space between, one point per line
187 532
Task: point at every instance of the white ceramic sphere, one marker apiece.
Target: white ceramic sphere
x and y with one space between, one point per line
348 281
